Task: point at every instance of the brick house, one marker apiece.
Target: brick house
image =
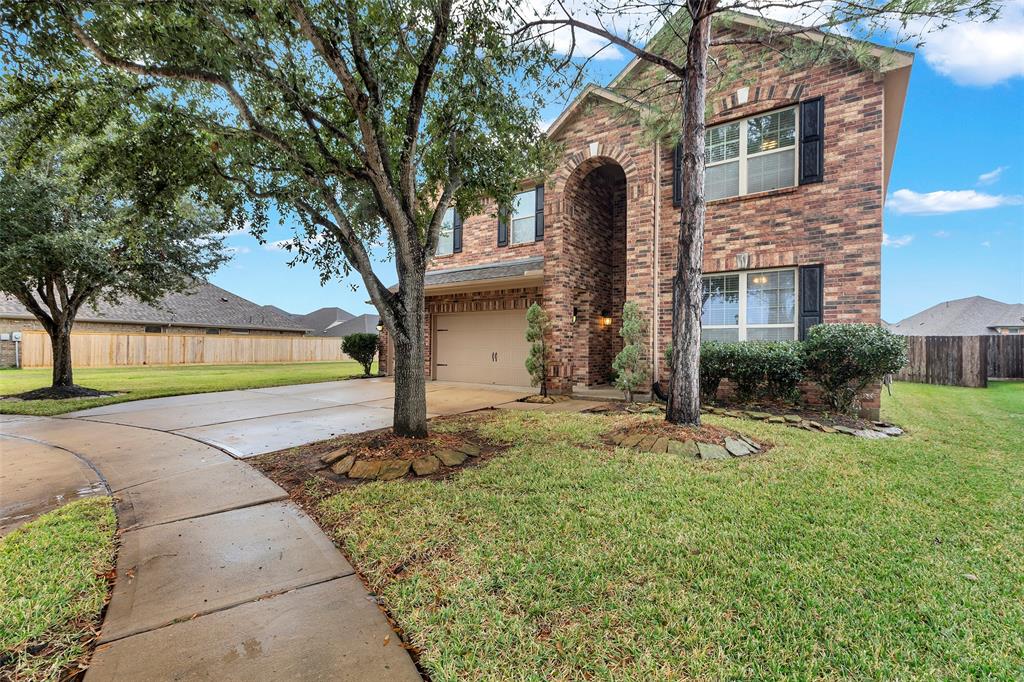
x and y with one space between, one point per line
798 164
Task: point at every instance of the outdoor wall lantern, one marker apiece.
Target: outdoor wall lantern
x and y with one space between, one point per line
380 327
606 318
575 311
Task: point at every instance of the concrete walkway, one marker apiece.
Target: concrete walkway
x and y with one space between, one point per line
256 421
218 576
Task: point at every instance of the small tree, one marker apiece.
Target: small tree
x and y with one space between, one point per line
80 223
631 365
844 359
537 327
361 347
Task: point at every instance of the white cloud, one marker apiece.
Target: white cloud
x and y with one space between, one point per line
947 201
586 44
980 53
992 176
896 242
986 243
234 250
942 234
279 245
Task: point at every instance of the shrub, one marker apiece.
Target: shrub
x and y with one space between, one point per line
362 348
630 365
764 369
844 359
537 326
715 365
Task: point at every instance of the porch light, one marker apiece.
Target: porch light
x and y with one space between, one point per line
606 318
574 313
380 327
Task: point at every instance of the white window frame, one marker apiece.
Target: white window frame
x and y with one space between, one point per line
451 241
512 219
742 325
744 157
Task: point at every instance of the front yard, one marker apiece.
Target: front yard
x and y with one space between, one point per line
54 574
827 557
139 383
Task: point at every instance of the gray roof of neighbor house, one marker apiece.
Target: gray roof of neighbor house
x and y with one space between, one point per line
322 319
478 273
361 324
973 316
206 305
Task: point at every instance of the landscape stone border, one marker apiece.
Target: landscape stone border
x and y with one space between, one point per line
344 463
740 446
876 430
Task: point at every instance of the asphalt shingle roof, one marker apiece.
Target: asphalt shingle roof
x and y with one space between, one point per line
475 273
206 305
973 316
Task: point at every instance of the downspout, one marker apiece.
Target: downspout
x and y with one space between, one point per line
655 356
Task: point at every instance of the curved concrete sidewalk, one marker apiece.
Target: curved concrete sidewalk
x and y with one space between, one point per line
219 575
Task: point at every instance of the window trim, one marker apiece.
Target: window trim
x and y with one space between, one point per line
438 252
742 326
743 157
511 219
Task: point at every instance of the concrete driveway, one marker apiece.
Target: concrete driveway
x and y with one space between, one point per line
256 421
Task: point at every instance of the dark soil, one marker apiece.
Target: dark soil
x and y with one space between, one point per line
299 470
60 393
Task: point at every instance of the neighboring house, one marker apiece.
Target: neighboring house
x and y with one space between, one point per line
798 164
973 316
206 309
335 322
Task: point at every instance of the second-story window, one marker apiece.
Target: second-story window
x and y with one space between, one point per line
523 217
756 154
446 238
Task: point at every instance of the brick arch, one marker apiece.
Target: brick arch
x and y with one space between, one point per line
581 162
763 93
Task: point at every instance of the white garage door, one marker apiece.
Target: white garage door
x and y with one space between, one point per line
482 348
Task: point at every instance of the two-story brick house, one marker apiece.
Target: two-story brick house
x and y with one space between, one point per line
797 168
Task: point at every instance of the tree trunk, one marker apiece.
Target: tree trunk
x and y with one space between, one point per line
60 342
684 385
410 372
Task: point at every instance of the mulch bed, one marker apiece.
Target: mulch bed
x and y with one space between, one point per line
293 468
60 393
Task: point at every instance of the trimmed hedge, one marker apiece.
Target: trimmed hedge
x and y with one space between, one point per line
843 359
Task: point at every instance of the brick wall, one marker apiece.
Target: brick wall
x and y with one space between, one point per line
837 223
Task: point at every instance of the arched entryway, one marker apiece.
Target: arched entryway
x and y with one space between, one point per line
595 198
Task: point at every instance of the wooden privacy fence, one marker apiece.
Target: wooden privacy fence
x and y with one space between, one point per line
963 360
1006 356
105 349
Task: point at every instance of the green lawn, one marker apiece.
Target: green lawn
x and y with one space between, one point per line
137 383
829 557
52 588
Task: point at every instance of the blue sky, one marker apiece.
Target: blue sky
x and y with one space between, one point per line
954 219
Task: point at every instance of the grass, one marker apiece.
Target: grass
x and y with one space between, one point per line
138 383
53 585
828 558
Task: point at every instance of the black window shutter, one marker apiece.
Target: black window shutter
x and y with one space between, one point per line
539 227
812 297
812 140
502 226
677 175
456 232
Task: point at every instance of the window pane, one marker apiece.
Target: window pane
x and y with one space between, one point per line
770 171
771 333
722 181
722 143
720 334
523 230
721 300
446 240
525 204
771 298
771 131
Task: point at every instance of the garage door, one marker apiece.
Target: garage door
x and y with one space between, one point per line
482 348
